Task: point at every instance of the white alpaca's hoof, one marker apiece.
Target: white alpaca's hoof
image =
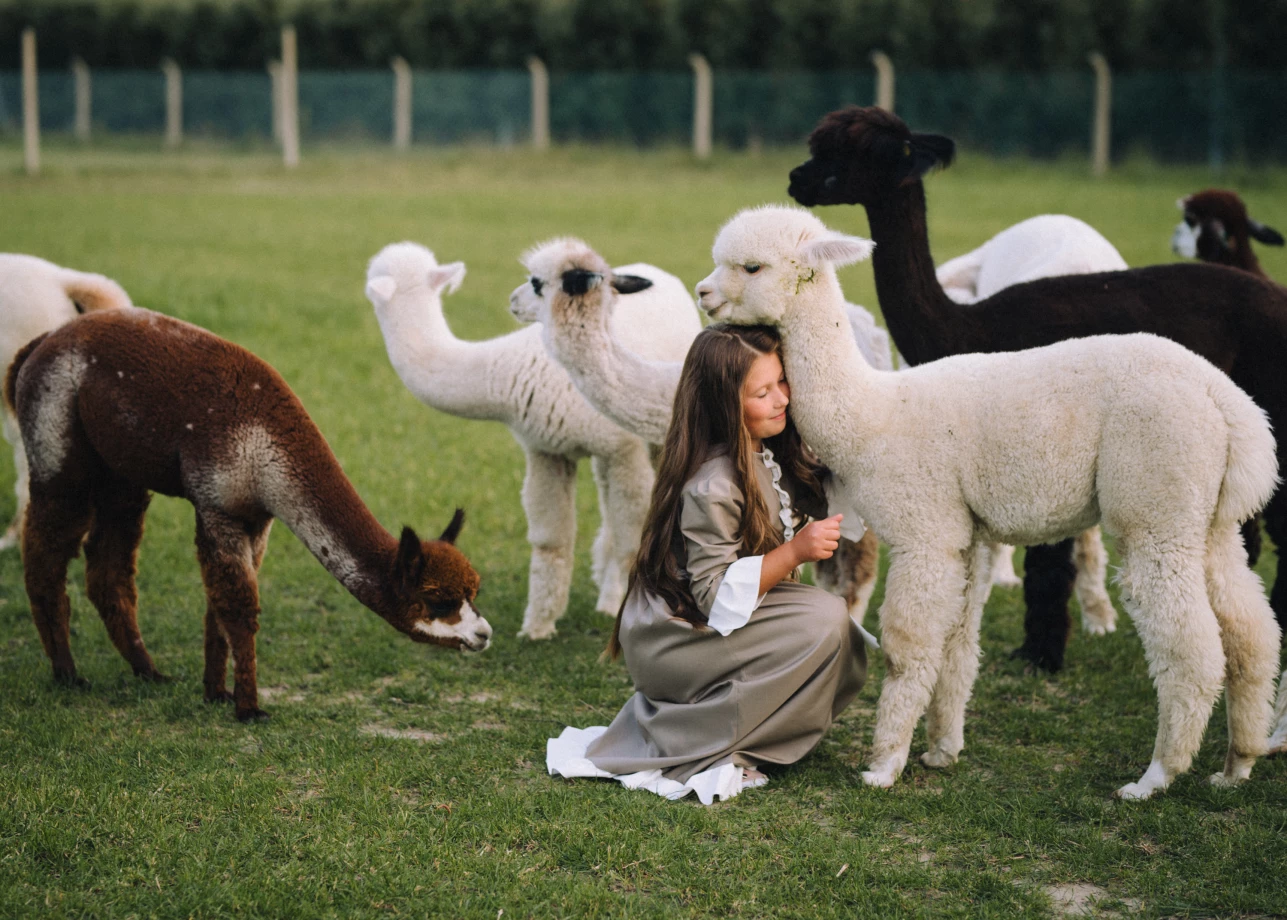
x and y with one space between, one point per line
1223 781
1006 580
880 780
537 631
1134 792
610 604
8 541
1099 622
938 759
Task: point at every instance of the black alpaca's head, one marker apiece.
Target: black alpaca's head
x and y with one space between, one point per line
1217 228
862 155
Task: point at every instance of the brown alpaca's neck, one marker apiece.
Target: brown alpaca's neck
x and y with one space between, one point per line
321 507
924 323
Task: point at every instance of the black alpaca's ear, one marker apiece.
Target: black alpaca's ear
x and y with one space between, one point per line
410 563
579 281
925 152
453 529
1266 235
630 284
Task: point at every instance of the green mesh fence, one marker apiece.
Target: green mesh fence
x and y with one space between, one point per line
1168 115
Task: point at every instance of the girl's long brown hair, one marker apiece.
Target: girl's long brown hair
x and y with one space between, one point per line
706 421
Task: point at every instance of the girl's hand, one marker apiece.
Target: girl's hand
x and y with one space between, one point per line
818 540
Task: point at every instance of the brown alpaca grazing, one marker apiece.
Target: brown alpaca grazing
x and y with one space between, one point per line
116 405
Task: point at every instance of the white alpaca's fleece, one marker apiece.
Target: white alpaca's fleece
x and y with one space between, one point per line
512 380
37 297
949 457
1042 247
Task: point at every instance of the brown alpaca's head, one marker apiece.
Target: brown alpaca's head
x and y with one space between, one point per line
1216 228
434 587
864 155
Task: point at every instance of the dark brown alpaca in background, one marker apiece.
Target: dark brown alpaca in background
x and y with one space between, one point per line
1216 228
116 405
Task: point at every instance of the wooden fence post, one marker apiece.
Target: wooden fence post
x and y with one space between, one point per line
80 79
30 104
401 103
540 103
290 98
1103 113
884 80
173 103
703 105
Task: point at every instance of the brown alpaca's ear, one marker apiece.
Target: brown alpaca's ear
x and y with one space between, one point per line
453 529
410 564
926 152
1265 234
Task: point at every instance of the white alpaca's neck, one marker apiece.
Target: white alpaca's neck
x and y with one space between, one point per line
632 391
439 369
836 396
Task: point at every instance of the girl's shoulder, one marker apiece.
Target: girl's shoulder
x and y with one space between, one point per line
716 477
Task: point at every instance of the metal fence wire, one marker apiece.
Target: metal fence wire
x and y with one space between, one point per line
1173 116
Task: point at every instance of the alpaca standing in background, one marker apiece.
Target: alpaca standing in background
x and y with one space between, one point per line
122 403
1042 247
947 458
638 394
511 379
1217 229
38 296
1233 319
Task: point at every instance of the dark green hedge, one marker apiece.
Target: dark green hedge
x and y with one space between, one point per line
584 35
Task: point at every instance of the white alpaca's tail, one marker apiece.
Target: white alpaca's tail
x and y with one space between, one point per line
1252 471
92 292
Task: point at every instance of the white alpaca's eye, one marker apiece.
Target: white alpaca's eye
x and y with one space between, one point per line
751 267
537 284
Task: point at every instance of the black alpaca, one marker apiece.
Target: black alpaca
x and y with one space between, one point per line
1236 320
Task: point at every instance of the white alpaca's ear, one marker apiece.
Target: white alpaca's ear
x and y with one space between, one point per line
380 290
447 277
838 250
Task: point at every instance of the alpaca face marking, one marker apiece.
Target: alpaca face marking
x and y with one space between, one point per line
464 630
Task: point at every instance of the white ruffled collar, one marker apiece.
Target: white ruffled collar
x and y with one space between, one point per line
785 514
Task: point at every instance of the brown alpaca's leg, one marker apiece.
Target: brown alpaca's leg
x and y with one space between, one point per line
225 551
216 687
111 554
52 535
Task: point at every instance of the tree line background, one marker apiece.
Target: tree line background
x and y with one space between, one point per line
582 35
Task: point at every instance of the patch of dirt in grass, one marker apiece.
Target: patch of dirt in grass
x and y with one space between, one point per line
1082 899
280 693
403 734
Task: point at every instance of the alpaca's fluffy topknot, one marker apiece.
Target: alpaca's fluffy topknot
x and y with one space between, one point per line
406 263
757 233
549 260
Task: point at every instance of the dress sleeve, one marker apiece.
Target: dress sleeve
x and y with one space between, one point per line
725 587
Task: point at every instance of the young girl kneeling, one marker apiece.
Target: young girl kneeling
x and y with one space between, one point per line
735 662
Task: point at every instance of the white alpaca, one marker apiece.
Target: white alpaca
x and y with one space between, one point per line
511 379
638 393
948 457
1042 247
35 297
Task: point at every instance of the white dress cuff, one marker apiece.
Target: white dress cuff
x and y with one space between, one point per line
738 595
852 526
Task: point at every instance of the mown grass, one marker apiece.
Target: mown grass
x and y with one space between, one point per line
139 800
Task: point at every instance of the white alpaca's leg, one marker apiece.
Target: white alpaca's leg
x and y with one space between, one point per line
1164 592
924 595
549 499
601 549
1003 575
13 534
1097 614
1250 636
945 718
1278 739
628 476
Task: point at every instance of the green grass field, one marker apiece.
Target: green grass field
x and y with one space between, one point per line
399 780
